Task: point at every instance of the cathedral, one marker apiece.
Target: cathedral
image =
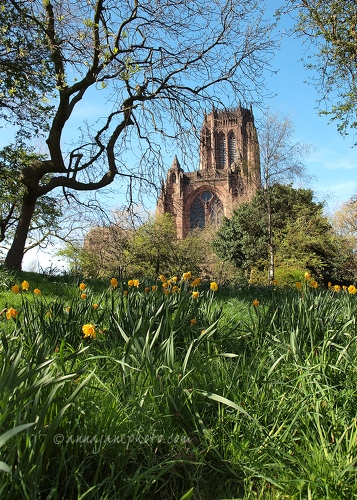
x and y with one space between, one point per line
229 172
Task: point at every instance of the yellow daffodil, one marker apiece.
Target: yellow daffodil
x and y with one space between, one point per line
307 276
298 285
82 286
255 302
352 289
89 330
37 291
187 276
213 286
25 285
83 295
193 321
131 283
95 306
11 313
114 282
195 294
15 289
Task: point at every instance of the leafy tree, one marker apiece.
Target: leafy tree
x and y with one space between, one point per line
243 238
148 250
154 248
330 28
26 69
46 217
147 64
302 234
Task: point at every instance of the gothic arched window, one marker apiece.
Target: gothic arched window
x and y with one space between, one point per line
232 148
206 208
222 152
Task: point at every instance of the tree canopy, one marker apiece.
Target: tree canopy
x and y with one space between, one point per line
145 251
145 70
302 234
330 28
25 69
46 217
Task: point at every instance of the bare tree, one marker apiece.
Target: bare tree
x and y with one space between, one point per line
345 219
282 161
149 69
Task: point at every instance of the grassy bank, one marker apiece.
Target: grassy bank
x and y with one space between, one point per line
145 390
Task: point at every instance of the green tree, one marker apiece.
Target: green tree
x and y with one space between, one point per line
26 69
46 217
147 64
243 239
153 248
303 236
148 250
330 28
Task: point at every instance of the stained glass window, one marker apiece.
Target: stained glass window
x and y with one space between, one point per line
197 214
206 208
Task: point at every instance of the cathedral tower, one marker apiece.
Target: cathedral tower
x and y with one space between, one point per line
229 172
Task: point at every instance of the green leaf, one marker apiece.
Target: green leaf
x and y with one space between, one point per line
188 495
225 401
4 467
12 432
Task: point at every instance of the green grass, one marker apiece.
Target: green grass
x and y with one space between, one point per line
210 397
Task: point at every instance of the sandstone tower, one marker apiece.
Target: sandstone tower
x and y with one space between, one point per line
229 172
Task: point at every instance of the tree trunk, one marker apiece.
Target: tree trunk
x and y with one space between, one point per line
272 263
16 252
271 271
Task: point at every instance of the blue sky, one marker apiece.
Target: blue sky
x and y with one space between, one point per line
333 163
